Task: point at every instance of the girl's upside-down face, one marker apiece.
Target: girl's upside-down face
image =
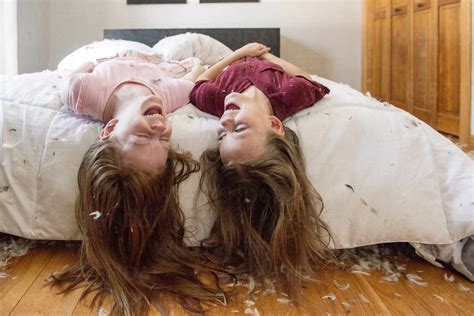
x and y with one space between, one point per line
245 126
142 130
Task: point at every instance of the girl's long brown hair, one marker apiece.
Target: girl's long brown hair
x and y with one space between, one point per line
268 221
132 229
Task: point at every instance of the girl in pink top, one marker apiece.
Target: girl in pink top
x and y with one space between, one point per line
132 95
128 209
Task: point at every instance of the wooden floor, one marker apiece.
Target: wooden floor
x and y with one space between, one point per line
23 292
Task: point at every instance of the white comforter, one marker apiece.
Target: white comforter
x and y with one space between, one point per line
384 175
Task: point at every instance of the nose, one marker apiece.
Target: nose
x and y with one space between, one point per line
227 122
158 127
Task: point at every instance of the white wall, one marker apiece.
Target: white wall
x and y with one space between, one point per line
33 35
322 36
8 38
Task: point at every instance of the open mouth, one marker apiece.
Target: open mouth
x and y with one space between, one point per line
231 106
154 110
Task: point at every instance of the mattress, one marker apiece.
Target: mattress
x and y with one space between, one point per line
384 175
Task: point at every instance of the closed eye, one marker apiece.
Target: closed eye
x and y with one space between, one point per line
240 129
140 139
221 136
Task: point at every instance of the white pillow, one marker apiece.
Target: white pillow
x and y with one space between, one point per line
182 46
100 49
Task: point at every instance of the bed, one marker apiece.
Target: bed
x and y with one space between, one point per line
384 175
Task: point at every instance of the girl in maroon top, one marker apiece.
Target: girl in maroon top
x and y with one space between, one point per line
253 96
268 222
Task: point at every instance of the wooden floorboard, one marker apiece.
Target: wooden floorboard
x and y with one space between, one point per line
40 299
22 272
23 292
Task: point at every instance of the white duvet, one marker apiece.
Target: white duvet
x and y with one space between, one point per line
384 175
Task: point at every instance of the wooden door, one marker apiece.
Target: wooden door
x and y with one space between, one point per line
417 56
424 56
380 62
449 66
399 49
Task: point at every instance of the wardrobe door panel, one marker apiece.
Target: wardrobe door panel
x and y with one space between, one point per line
449 68
400 64
381 4
424 63
381 56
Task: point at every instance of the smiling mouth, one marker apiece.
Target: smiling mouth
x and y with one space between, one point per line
154 110
231 106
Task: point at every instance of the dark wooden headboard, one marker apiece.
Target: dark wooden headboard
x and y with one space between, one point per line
233 38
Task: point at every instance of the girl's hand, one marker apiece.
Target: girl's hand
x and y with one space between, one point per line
249 50
85 67
252 50
195 73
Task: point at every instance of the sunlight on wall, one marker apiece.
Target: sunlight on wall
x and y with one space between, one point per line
8 37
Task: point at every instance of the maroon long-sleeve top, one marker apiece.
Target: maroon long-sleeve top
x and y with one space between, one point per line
287 94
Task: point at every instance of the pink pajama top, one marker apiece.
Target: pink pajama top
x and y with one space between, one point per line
287 94
88 93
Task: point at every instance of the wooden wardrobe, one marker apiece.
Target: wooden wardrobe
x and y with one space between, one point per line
417 56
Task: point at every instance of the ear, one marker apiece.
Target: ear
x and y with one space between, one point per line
108 129
277 125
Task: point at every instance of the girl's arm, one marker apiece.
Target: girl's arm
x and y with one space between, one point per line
252 49
194 73
289 68
83 68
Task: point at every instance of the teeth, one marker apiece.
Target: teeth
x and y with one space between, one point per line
156 115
